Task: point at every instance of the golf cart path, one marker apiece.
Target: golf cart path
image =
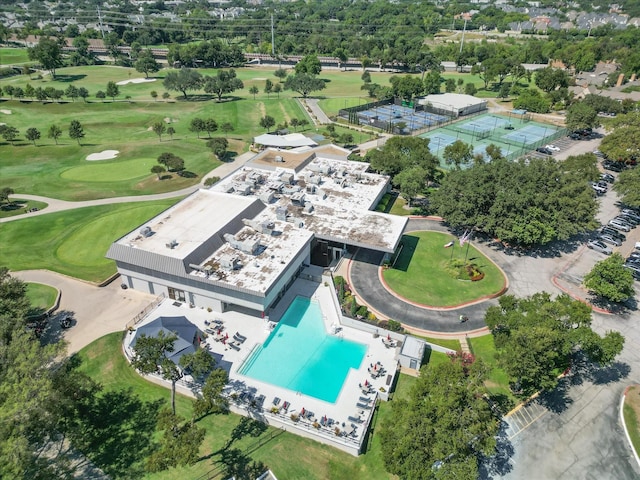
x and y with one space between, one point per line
57 205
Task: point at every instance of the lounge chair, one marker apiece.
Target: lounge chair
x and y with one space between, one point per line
239 338
354 419
276 401
285 406
363 405
234 345
365 399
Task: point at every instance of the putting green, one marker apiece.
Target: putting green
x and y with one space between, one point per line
110 171
87 245
419 274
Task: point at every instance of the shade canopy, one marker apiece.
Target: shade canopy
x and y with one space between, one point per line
291 140
185 331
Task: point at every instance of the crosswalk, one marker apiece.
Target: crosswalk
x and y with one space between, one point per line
521 418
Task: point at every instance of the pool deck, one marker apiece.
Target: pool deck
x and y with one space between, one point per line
257 330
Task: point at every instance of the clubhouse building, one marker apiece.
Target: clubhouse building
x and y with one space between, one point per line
242 243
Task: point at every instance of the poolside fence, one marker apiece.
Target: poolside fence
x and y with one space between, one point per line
138 318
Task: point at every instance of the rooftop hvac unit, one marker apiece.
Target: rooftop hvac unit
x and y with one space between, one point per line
279 159
308 207
281 213
229 262
146 231
172 244
266 197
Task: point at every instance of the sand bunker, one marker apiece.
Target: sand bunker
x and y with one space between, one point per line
136 80
5 111
104 155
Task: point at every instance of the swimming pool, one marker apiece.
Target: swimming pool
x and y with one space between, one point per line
301 356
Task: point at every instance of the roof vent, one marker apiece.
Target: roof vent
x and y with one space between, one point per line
146 231
279 159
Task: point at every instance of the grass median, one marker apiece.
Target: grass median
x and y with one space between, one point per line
73 242
420 273
631 414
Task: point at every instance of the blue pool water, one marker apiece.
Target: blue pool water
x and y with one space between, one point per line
301 356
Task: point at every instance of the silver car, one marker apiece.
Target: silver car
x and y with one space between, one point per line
611 240
618 225
598 246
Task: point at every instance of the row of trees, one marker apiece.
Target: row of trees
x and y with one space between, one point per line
11 134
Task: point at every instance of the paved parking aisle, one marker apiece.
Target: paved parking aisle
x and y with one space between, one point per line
521 418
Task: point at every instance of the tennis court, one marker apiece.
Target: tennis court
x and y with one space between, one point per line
515 134
404 119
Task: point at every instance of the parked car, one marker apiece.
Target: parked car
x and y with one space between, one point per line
614 233
618 225
613 166
607 177
544 150
635 270
610 240
598 189
598 153
631 221
630 213
599 246
552 147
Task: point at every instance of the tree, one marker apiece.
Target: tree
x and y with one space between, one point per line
411 182
533 101
432 81
4 198
146 63
494 152
9 133
622 144
280 73
166 96
29 91
182 81
225 81
171 161
150 356
309 64
445 421
171 131
268 87
54 132
267 122
218 146
197 125
76 131
32 134
450 85
210 125
610 279
277 88
158 170
303 83
159 128
227 128
71 92
505 89
341 55
581 116
524 203
458 153
154 95
112 90
209 399
49 53
179 445
548 79
470 88
83 93
254 91
101 95
406 87
536 336
401 153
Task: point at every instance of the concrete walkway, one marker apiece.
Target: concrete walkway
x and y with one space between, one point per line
317 114
57 205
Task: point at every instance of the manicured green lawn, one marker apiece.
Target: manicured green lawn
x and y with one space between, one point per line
73 242
451 343
631 418
498 381
10 56
419 273
288 456
18 206
41 297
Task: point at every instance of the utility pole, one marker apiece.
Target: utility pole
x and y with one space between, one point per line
273 47
464 29
100 22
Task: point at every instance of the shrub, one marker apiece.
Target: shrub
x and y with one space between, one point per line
211 181
395 326
353 307
362 311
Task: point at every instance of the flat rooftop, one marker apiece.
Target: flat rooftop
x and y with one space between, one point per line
330 197
180 229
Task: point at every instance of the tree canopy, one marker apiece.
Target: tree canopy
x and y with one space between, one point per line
523 203
146 63
183 80
610 279
225 81
443 427
303 83
400 153
628 187
581 116
309 64
49 53
536 336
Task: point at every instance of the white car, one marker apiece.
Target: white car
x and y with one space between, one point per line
599 246
553 148
620 225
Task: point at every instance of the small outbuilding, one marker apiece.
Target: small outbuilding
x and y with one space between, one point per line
291 140
412 352
188 335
